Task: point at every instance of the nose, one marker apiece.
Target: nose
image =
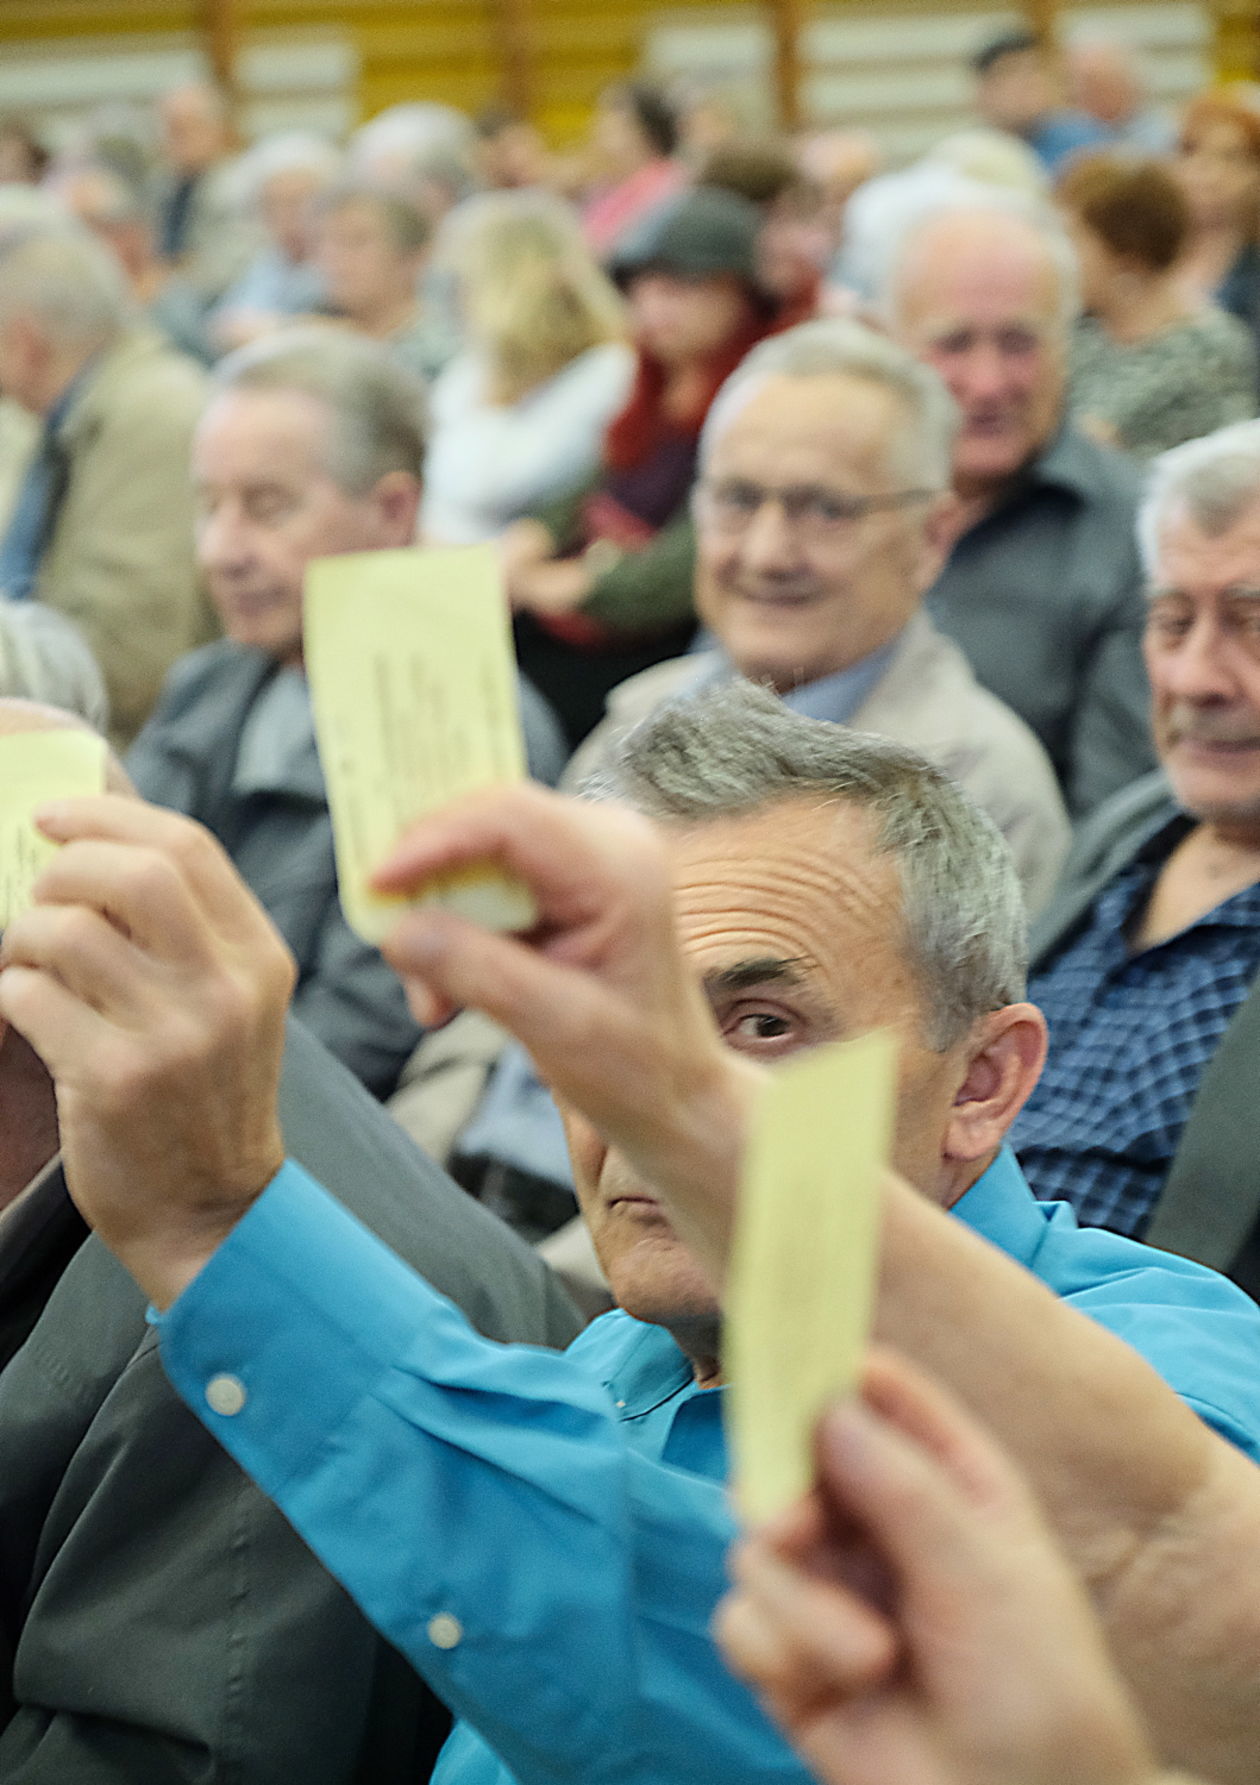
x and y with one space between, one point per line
223 540
985 375
769 541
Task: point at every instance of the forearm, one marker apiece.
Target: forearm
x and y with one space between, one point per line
1152 1508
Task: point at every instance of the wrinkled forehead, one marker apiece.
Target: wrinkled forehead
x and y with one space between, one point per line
245 433
1198 553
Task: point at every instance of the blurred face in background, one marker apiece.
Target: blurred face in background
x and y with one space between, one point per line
979 298
286 204
365 271
686 320
1015 91
1219 171
793 584
268 502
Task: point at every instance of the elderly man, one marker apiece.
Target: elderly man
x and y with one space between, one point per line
101 528
1042 586
1146 963
202 226
115 1507
311 445
824 881
821 471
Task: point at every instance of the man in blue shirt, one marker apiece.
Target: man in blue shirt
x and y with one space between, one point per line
853 886
1145 965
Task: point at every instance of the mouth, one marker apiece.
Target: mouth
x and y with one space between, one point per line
1216 747
779 600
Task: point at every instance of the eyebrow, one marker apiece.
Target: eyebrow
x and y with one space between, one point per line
1235 592
759 970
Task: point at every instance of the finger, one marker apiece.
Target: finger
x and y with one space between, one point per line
139 890
61 1028
199 858
84 951
571 855
826 1637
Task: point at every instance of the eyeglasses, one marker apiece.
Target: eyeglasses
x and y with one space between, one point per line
814 515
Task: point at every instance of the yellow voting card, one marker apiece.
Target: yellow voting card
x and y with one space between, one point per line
802 1272
413 688
35 767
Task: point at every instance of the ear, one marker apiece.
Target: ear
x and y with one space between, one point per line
396 497
1006 1058
935 543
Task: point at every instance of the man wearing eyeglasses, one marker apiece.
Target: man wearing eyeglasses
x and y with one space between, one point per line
823 469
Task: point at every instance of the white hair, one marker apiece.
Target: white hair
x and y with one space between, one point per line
1217 478
1001 204
56 271
837 346
45 658
419 141
288 152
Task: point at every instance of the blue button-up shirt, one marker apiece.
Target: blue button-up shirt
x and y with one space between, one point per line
543 1535
1130 1036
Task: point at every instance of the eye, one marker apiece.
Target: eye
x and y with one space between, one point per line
1018 343
763 1030
1166 627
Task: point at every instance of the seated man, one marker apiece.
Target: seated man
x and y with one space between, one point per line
1146 963
158 1619
825 881
1042 587
101 528
822 466
1016 89
311 444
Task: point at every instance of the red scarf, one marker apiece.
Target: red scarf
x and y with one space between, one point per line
638 430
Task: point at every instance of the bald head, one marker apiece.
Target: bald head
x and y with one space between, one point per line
195 127
985 295
1105 80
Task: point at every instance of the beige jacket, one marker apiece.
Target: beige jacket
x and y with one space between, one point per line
928 699
119 562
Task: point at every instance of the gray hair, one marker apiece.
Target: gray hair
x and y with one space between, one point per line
288 152
837 346
59 273
1001 204
376 406
45 658
1217 478
735 749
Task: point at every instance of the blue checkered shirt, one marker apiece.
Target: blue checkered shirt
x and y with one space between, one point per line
1130 1035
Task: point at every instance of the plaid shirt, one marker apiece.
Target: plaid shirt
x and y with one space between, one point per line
1130 1035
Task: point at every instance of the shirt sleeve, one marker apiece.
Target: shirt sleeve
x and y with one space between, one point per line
479 1502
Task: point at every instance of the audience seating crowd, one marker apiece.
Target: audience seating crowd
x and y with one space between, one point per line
883 551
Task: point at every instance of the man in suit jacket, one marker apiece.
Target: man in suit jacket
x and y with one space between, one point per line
101 527
1146 962
159 1621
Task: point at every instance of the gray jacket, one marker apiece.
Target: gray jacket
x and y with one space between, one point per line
160 1623
1209 1206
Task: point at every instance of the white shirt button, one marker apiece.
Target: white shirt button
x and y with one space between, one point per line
444 1631
225 1395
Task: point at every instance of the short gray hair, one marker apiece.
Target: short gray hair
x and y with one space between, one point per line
45 658
837 346
1217 478
375 405
1002 203
59 273
735 749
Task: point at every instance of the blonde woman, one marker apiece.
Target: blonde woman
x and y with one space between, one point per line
519 415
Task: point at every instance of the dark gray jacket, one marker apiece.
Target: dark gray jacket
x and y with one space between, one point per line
1044 595
281 842
1209 1207
160 1623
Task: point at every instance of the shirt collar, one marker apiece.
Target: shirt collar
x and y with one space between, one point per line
835 697
1065 462
1002 1209
647 1369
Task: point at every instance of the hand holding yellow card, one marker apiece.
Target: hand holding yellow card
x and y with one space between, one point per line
35 767
413 688
802 1272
